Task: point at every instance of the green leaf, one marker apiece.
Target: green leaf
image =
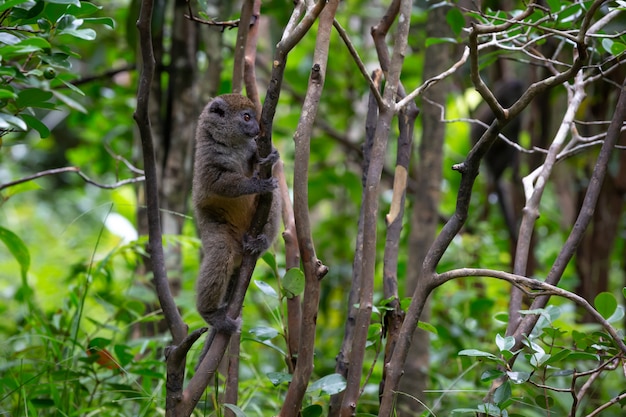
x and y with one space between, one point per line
518 377
558 356
71 103
606 304
456 20
264 332
478 354
123 354
9 122
428 327
502 317
6 94
584 356
268 257
314 410
555 5
33 97
10 3
293 282
277 378
330 384
84 9
36 124
20 188
74 2
266 288
8 38
17 248
502 393
85 34
505 343
490 375
236 410
436 41
106 21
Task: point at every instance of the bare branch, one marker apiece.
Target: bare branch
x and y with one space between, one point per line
359 63
77 170
434 80
310 263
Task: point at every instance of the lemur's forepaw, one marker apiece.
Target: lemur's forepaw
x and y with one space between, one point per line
270 159
255 245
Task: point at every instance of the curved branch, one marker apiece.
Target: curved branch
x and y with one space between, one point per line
77 170
529 286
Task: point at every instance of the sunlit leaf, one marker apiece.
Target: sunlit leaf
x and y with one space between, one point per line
17 248
264 332
478 353
293 282
518 377
277 378
330 384
71 103
266 288
605 303
73 2
505 343
10 122
236 410
428 327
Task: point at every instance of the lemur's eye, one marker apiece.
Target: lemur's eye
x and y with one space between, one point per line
246 117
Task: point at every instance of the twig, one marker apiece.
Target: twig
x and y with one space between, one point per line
77 170
359 62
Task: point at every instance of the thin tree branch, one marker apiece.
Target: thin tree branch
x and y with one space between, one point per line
292 260
56 171
313 270
371 190
240 45
359 62
177 328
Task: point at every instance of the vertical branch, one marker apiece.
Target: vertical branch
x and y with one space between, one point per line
231 392
249 69
245 20
370 210
177 328
343 358
292 260
394 317
175 324
313 269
